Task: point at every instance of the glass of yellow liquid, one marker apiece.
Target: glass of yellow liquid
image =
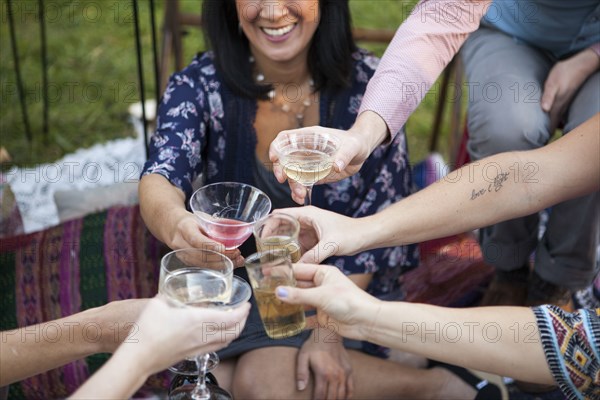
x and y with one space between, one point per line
307 157
278 231
267 270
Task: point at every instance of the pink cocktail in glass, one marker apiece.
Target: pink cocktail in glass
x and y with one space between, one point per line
227 211
229 232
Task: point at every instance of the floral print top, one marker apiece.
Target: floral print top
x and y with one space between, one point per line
203 127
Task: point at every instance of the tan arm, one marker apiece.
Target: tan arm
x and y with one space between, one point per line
501 340
163 209
494 189
38 348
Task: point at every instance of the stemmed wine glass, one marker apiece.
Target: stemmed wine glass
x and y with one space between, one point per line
227 211
307 157
200 278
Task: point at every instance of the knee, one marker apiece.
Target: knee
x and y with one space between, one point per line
253 384
498 129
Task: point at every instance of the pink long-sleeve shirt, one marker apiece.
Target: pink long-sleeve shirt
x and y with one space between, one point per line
422 47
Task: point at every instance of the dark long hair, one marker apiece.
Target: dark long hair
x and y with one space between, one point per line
329 55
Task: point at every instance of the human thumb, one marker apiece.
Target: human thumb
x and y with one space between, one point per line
343 157
293 295
302 370
548 96
321 251
311 256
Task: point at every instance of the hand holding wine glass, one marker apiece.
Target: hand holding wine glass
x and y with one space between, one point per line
201 278
325 234
278 231
355 146
186 234
340 304
305 157
162 335
162 206
162 323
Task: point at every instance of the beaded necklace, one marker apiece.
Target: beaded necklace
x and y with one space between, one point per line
285 107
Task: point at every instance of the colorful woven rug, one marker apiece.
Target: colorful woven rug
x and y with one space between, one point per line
74 266
451 273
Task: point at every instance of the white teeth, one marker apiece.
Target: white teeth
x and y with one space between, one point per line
278 32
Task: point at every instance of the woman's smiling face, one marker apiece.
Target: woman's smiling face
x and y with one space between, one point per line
279 30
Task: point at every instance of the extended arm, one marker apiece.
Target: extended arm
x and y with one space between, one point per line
165 215
422 47
174 161
494 189
164 336
34 349
501 340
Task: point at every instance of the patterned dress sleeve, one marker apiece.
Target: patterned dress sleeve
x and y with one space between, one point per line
571 343
384 179
175 148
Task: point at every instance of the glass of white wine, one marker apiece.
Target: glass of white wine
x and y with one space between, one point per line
200 278
307 157
267 270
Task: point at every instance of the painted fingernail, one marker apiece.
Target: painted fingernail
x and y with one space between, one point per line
282 293
301 385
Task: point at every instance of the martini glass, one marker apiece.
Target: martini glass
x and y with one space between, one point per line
200 278
227 211
307 157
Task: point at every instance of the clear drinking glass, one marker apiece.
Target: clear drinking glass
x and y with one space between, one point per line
227 211
267 270
200 278
278 231
307 157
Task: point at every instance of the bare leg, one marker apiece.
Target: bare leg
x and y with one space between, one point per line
381 379
225 372
270 373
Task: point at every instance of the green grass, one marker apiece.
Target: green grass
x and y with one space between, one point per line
92 72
